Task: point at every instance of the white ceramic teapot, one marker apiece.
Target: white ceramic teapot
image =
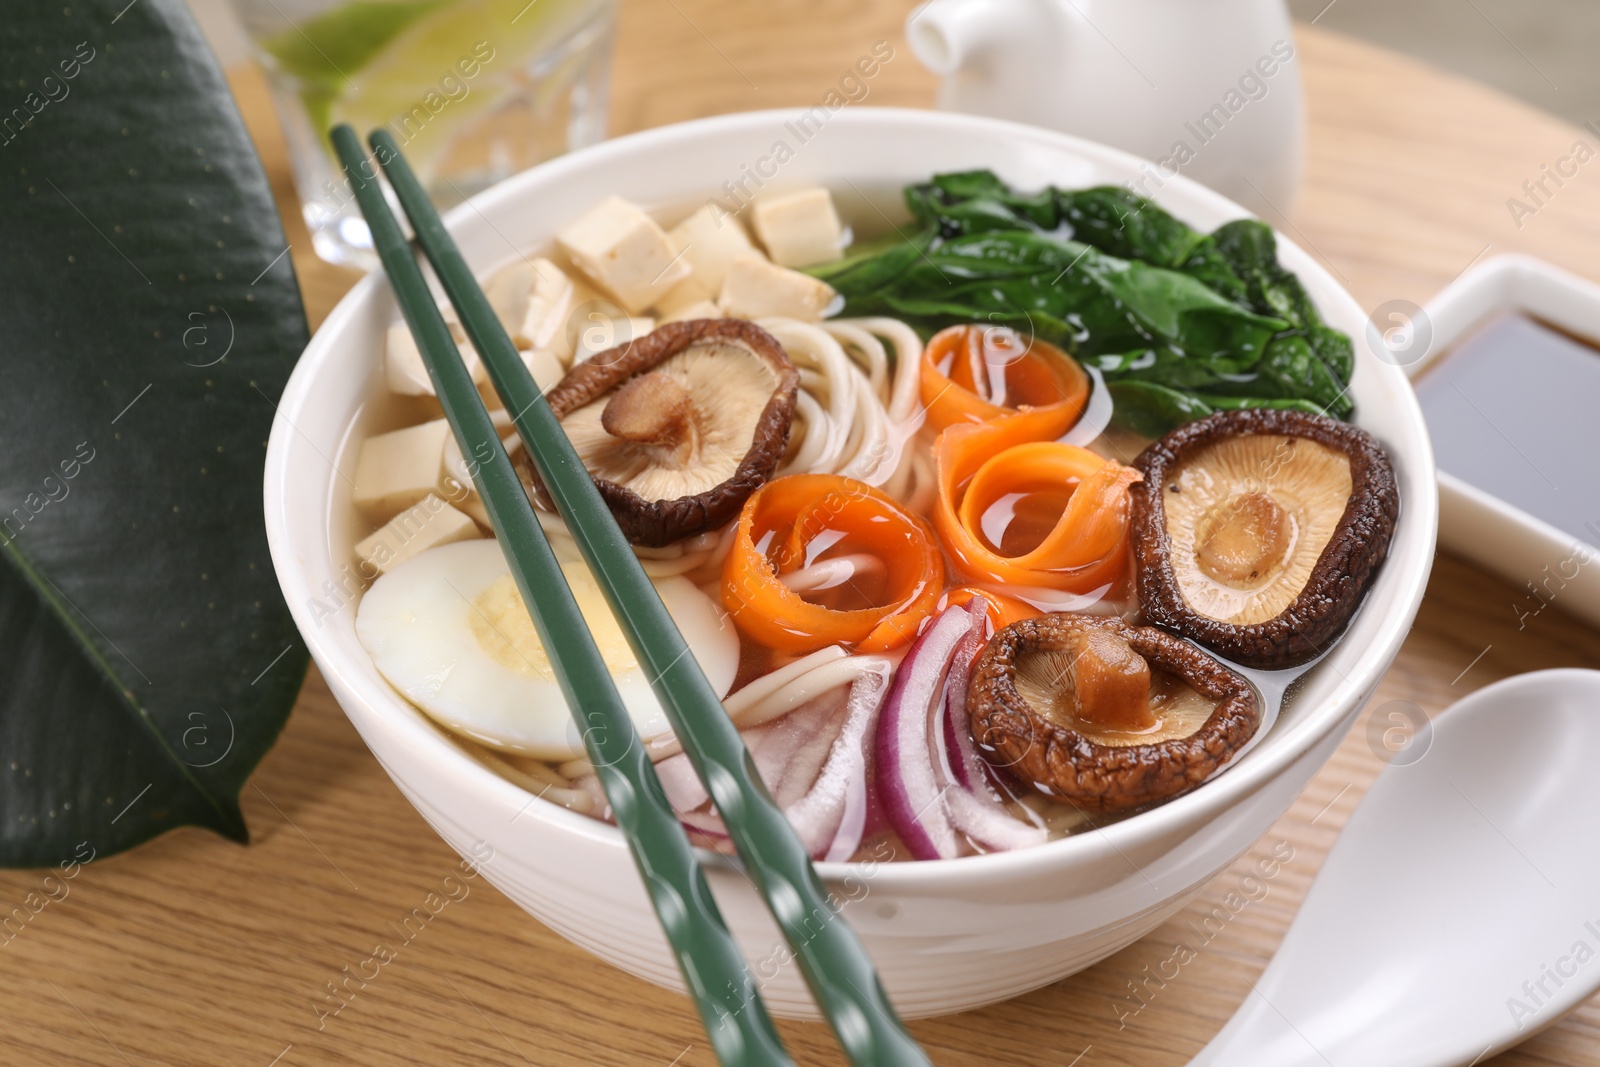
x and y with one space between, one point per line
1206 88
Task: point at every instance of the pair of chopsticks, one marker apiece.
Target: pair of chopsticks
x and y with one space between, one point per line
831 957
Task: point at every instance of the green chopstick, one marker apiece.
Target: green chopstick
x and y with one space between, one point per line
832 959
715 972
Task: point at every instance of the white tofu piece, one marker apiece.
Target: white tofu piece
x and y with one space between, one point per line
705 309
551 300
490 398
457 494
710 240
755 288
402 363
557 330
455 480
625 252
427 523
402 360
454 476
546 369
602 332
472 505
692 290
799 228
509 291
396 470
542 363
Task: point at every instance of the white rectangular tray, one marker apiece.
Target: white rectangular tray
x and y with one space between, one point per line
1548 566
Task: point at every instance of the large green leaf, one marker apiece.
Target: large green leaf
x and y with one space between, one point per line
147 661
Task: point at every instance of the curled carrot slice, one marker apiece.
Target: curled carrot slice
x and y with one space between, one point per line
990 473
820 559
978 373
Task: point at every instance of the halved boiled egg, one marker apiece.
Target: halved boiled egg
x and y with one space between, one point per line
449 630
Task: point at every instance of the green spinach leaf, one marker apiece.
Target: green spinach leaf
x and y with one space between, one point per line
1251 250
1151 409
1109 217
1185 322
1070 294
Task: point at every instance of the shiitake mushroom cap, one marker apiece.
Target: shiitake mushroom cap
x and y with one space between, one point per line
1089 775
1337 581
618 373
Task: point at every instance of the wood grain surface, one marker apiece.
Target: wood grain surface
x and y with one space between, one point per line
193 951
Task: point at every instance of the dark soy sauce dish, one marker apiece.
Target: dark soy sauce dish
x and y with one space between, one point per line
1512 412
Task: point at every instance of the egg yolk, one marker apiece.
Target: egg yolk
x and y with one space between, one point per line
503 629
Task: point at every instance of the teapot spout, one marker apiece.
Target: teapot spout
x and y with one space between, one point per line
947 35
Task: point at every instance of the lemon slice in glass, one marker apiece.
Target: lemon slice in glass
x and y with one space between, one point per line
423 68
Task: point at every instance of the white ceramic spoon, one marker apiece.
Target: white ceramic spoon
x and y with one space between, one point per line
1459 912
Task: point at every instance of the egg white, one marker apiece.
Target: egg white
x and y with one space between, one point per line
417 624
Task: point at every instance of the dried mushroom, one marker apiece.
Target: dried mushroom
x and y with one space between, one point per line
1105 715
678 427
1257 532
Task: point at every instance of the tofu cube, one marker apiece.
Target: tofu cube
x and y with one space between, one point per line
689 291
598 332
799 228
625 252
404 370
532 299
472 506
705 309
461 494
491 399
546 369
455 475
710 240
553 297
509 291
396 470
427 523
755 288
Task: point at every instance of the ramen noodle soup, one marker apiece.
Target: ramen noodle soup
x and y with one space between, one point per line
971 526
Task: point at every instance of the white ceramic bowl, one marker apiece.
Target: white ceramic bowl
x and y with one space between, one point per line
947 935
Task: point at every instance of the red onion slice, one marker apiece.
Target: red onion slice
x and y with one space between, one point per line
683 787
910 786
706 828
832 817
790 751
934 787
982 817
960 754
976 808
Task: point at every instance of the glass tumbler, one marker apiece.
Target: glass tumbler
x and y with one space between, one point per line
473 91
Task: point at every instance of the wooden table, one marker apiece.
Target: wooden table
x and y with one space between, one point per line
193 951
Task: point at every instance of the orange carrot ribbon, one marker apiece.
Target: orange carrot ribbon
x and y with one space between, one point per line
995 464
803 523
978 373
